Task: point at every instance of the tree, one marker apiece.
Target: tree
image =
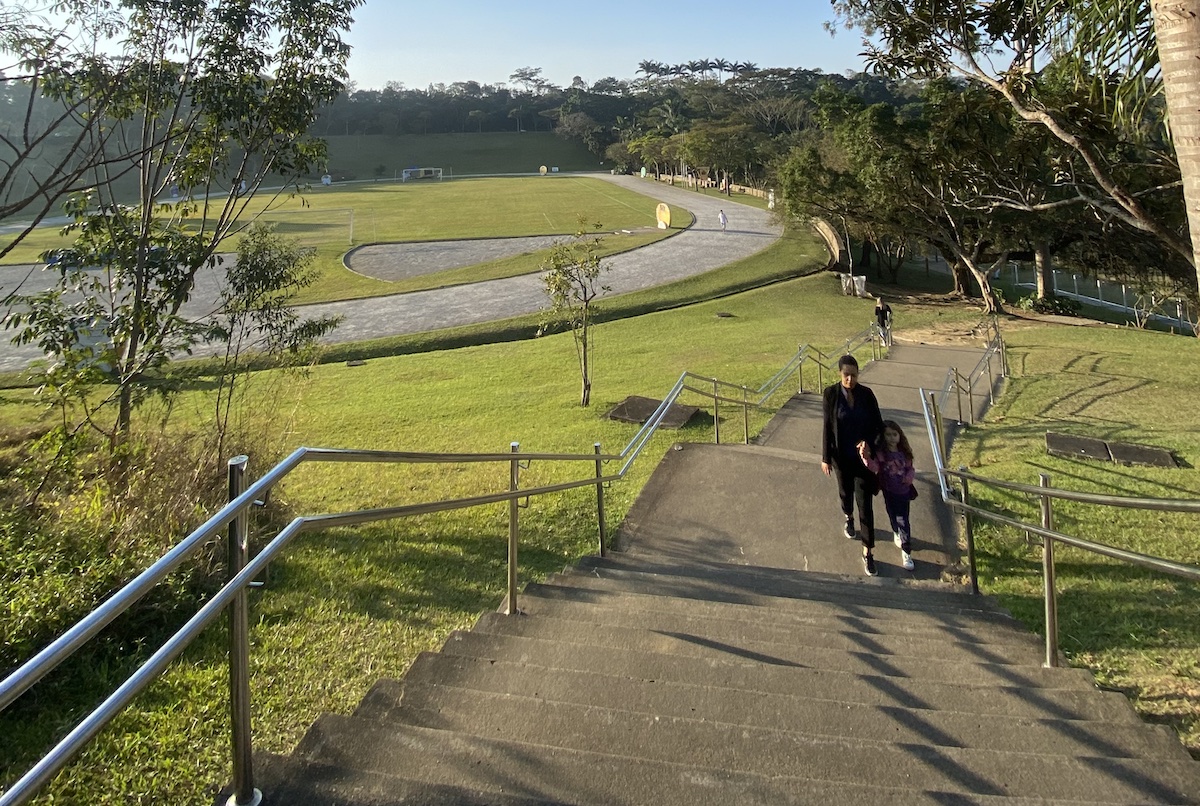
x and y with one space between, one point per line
214 98
257 314
571 282
931 38
57 96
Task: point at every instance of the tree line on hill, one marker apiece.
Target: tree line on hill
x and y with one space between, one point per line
900 163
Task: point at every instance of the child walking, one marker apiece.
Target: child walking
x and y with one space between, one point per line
892 462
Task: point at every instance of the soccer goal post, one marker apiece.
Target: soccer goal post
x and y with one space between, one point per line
410 174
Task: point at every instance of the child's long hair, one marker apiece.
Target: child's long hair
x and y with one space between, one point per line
904 447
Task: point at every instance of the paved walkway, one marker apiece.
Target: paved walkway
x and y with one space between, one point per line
698 249
769 504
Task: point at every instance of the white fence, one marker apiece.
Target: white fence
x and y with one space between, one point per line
1170 311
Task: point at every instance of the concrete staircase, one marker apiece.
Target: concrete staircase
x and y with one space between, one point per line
708 663
633 680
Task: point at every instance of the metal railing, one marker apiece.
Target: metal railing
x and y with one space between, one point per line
960 500
242 570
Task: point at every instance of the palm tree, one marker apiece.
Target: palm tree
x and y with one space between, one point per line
722 66
1177 28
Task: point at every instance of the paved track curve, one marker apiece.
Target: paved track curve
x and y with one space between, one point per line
699 248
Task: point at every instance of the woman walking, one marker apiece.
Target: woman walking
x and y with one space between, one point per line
892 462
851 416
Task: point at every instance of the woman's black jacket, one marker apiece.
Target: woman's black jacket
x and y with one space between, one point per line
863 396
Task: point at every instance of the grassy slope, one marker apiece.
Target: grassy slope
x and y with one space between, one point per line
358 156
1140 631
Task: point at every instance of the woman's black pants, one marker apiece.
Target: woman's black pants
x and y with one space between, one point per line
855 485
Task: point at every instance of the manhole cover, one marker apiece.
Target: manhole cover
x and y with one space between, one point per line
637 409
1129 454
1075 447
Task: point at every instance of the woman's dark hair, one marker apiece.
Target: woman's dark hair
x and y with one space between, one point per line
904 447
847 361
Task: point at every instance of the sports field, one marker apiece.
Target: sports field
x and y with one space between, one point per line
332 220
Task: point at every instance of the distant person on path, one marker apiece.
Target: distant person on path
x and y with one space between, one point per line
851 416
883 315
724 219
892 462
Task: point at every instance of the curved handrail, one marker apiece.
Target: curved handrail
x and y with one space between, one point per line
35 669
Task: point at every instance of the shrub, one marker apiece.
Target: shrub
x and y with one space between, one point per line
78 522
1051 304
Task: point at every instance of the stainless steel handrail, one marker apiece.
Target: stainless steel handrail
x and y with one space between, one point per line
35 669
1046 494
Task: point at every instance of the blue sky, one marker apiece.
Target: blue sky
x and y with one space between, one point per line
463 40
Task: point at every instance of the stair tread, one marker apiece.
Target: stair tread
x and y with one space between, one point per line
609 777
797 644
288 781
867 660
1067 693
632 609
686 589
613 699
899 592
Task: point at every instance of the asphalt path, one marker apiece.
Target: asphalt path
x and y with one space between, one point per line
698 249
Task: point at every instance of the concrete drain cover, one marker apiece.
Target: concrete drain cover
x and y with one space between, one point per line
1125 453
1075 447
636 409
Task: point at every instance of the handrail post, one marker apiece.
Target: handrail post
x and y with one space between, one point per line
1003 355
514 471
1048 577
958 392
940 446
745 416
600 499
971 398
716 415
800 368
244 793
969 534
991 381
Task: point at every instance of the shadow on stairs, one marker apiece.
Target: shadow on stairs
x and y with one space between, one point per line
638 679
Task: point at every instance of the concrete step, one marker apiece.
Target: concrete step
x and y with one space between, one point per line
288 781
1051 693
868 595
949 663
870 618
834 771
797 644
579 698
645 612
791 583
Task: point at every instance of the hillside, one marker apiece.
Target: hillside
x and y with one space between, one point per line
384 156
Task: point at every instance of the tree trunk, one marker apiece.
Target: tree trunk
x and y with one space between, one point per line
1041 258
959 272
1177 28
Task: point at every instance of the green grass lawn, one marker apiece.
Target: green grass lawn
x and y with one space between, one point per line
333 220
1138 630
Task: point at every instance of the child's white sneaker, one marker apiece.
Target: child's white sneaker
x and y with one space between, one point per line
906 560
